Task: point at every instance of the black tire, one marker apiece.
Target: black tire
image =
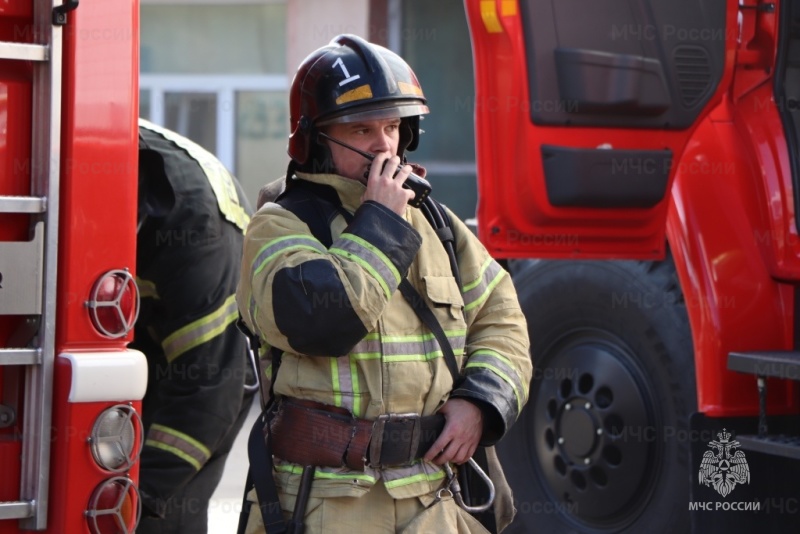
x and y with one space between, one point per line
602 445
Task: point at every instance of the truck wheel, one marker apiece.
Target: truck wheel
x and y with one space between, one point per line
602 445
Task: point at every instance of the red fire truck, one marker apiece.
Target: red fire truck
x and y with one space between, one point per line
70 390
639 167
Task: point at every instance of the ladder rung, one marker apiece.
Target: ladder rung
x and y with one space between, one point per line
20 356
29 52
20 204
16 509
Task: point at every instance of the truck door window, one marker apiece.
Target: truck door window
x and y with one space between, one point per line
622 64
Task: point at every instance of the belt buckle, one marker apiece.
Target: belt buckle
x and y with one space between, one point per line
376 441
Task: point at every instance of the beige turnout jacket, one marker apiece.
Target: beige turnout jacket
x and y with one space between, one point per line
349 339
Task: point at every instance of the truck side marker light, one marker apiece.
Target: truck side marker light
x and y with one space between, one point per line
489 17
117 438
114 303
114 507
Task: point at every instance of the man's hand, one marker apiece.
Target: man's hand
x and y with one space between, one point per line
462 432
386 188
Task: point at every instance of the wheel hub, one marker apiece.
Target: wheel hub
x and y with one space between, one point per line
577 430
595 436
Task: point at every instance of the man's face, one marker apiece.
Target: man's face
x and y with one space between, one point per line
370 136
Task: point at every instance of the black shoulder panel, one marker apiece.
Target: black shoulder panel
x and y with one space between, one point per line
320 320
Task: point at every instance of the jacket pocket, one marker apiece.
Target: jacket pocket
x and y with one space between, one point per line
444 293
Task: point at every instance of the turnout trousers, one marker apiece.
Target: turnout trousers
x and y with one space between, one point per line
376 512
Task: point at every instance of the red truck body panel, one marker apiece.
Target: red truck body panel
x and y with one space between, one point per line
97 230
728 215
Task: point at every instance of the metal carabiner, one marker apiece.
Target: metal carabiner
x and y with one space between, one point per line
251 353
455 488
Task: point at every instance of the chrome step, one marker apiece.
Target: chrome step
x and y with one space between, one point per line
20 356
23 51
16 509
20 204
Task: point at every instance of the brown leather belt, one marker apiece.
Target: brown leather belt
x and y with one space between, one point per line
310 433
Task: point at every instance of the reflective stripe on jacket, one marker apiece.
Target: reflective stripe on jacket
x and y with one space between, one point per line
351 340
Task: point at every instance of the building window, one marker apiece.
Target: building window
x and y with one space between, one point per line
216 74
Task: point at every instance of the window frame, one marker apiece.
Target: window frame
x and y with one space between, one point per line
224 86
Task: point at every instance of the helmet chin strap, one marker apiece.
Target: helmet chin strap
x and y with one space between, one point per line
406 136
320 159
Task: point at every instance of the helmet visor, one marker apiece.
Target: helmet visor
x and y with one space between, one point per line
391 111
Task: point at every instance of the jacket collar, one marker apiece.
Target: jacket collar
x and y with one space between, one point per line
350 191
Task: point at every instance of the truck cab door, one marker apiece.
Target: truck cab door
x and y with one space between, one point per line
583 110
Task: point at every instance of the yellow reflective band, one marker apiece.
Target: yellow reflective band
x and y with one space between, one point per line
369 268
359 93
356 394
400 358
147 289
422 477
218 176
492 354
198 332
478 301
252 309
475 283
378 252
502 375
179 444
366 355
368 348
282 245
318 473
409 89
422 337
345 384
422 344
177 452
413 338
270 258
420 347
337 392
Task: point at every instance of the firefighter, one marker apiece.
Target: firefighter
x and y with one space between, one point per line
191 220
363 392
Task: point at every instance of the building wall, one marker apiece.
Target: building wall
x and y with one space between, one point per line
313 23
